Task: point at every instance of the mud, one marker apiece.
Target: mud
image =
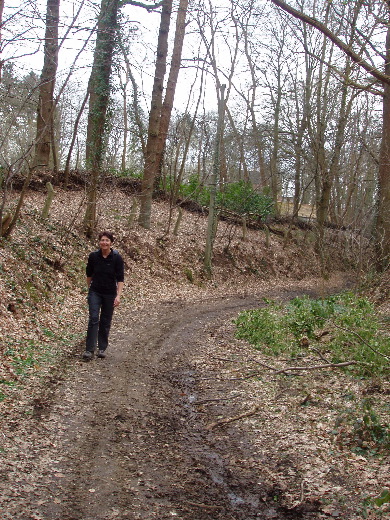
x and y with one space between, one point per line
129 437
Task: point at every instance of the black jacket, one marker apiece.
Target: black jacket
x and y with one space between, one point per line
105 272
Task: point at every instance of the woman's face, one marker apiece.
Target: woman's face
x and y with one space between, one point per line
105 243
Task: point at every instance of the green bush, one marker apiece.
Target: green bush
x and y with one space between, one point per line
238 197
241 198
193 189
262 328
348 322
304 316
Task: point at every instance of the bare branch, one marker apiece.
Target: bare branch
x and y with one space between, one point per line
141 4
384 78
362 340
243 415
317 367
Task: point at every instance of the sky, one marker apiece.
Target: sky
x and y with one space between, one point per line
23 38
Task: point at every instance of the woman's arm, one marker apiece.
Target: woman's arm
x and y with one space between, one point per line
118 293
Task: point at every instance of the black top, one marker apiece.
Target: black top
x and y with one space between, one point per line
105 272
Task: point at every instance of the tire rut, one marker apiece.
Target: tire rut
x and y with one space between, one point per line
125 440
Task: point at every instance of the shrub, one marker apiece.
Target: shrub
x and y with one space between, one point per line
349 322
241 198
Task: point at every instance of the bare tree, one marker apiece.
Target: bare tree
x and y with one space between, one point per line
46 89
167 105
1 25
160 113
213 184
382 231
151 165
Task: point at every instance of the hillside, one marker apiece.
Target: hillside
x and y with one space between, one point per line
42 268
175 374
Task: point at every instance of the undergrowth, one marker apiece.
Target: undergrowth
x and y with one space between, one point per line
342 328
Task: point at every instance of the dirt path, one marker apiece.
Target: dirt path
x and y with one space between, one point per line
128 438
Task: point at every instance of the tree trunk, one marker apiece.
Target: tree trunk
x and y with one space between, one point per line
302 124
125 125
211 228
383 204
46 89
167 106
151 165
1 25
99 94
329 174
321 174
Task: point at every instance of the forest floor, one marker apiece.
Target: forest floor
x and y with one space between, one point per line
181 420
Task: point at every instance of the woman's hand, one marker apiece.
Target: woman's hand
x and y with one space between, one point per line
117 301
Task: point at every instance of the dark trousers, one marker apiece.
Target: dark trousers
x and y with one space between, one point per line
101 309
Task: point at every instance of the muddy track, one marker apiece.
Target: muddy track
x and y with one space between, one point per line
127 437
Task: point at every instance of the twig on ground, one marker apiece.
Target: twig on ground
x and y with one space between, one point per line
226 359
205 401
320 355
243 415
204 506
264 365
318 367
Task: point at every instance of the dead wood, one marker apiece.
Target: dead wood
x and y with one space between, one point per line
205 401
318 367
362 340
228 420
203 506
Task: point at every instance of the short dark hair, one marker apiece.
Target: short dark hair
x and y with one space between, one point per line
106 234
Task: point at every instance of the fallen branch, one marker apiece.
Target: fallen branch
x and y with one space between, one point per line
222 422
204 506
320 355
266 366
362 340
216 400
318 367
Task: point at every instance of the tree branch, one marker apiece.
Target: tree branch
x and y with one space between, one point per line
253 411
384 78
141 4
316 367
362 340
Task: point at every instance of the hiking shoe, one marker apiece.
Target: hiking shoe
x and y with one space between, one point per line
87 356
101 354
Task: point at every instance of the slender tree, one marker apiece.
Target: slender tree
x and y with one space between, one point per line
382 227
213 184
167 106
383 209
151 165
1 25
46 89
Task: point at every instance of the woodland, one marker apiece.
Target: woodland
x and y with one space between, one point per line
237 150
299 97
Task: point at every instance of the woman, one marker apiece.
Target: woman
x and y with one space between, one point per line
105 277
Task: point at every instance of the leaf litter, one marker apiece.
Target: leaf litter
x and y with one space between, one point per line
133 433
